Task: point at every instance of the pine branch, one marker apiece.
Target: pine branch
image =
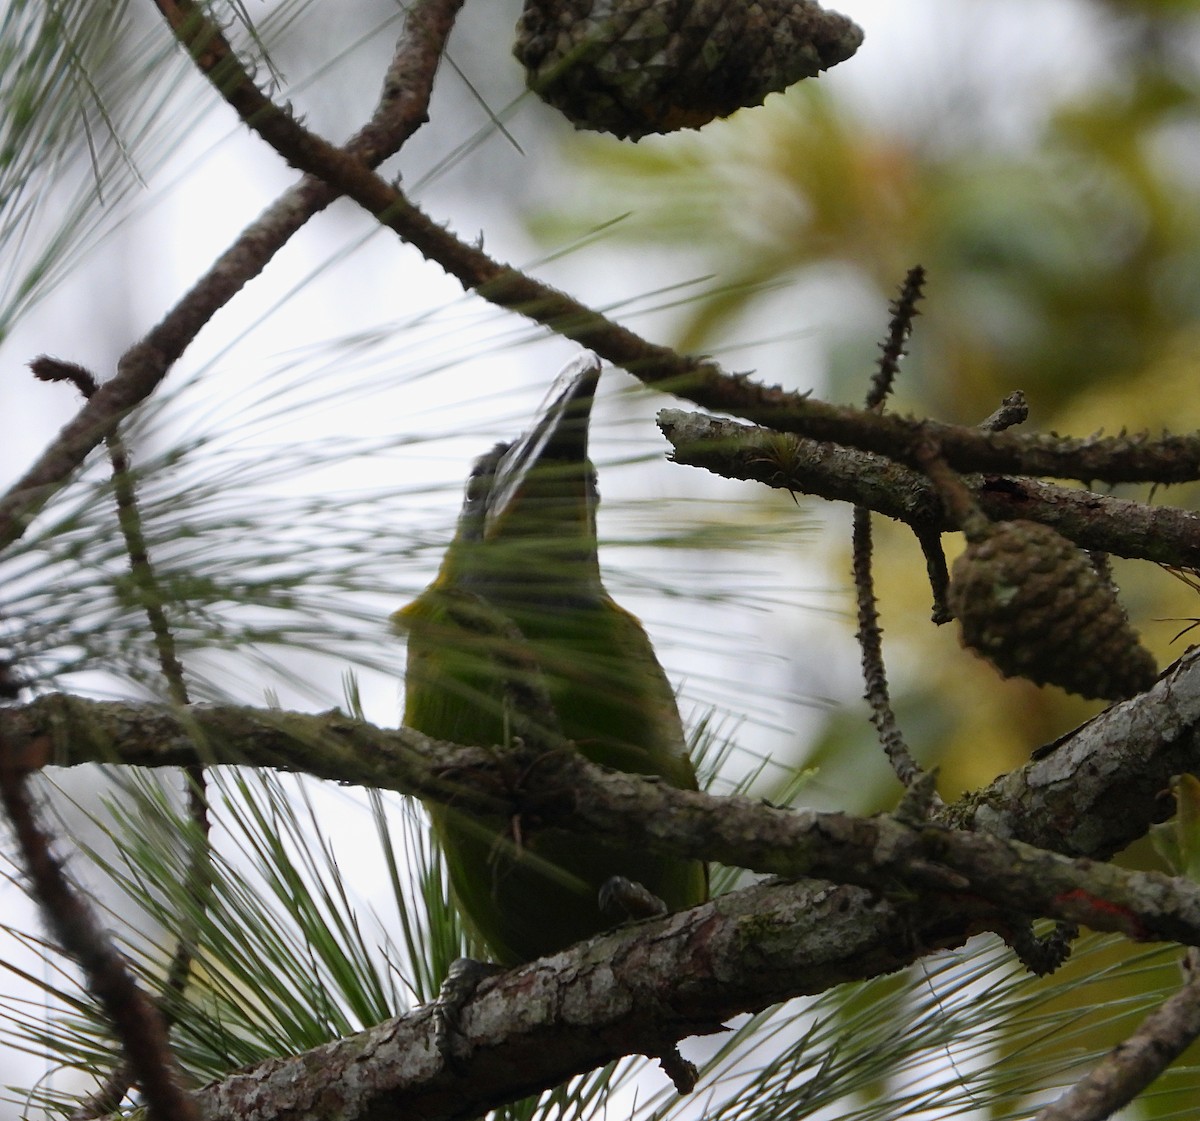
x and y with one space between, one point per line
1111 459
136 1021
842 474
632 991
870 633
1088 797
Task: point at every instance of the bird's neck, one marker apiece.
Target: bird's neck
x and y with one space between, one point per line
532 571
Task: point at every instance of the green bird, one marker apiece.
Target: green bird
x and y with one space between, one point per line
517 635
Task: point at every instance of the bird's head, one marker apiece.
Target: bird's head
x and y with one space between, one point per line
528 523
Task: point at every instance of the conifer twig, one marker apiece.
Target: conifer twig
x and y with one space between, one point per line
1092 519
149 591
1137 1061
135 1019
1013 410
900 327
869 634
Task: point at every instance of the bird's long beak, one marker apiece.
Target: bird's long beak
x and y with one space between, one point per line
548 467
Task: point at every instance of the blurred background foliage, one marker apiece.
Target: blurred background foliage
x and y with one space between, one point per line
1063 261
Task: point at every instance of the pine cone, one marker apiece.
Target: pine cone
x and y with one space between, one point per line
1031 602
634 67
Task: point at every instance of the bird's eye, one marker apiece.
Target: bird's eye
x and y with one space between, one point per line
477 485
483 475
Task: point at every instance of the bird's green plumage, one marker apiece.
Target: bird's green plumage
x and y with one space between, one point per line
519 599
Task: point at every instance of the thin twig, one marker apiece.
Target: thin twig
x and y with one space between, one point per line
129 518
1137 1061
1013 410
136 1021
199 871
937 572
870 641
904 311
960 503
869 633
153 599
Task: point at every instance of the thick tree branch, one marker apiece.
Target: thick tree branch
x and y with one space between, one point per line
841 474
1092 792
401 110
579 1009
1095 792
635 990
638 989
1096 789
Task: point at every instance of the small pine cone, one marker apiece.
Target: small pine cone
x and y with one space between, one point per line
634 67
1030 602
